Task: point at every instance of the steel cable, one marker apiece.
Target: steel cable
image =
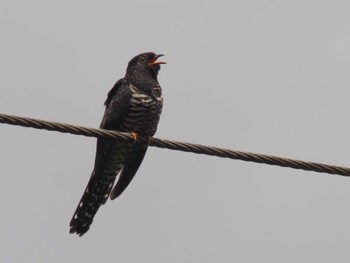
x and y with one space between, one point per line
176 145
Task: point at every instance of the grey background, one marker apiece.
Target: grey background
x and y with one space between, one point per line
262 76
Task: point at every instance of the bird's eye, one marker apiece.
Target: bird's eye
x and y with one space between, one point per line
142 59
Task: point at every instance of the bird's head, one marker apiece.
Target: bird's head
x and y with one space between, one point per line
145 65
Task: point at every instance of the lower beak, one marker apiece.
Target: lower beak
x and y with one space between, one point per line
154 61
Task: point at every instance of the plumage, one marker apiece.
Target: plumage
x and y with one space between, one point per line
134 104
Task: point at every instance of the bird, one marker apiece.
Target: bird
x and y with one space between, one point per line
134 104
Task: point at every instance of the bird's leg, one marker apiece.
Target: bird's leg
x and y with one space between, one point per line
141 140
134 136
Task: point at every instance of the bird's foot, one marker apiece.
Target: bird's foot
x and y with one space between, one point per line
143 140
134 136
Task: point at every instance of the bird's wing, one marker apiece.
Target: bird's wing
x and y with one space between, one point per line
117 104
130 168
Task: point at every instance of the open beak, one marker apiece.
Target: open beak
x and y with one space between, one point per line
153 61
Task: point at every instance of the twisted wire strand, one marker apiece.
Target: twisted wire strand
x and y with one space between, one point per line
176 145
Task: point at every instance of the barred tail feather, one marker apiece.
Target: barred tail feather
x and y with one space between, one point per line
89 204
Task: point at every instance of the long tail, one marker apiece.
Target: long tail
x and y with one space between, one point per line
95 195
102 180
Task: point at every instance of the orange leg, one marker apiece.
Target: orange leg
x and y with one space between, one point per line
134 136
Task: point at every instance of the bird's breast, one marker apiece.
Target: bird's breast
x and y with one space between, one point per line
144 112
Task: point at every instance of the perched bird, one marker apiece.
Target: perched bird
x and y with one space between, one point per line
134 104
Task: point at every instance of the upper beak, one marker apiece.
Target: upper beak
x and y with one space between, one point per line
153 61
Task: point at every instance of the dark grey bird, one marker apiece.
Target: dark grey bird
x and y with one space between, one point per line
134 104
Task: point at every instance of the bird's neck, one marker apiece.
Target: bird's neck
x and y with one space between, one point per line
143 82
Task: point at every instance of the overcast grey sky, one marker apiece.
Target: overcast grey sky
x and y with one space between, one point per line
262 76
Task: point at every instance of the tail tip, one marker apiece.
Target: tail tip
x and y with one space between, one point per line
79 229
78 226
